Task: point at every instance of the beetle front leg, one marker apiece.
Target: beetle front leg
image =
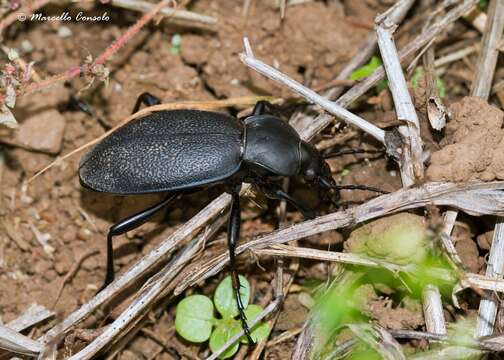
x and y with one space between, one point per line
233 235
273 191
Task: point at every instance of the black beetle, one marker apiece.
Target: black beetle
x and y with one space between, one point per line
185 150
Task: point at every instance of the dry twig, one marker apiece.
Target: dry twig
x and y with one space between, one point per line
71 273
473 198
272 73
481 87
184 16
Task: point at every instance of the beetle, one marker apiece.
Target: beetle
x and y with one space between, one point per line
181 151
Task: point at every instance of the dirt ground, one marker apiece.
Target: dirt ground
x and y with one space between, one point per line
47 227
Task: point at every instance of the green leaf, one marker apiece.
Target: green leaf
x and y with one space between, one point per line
441 87
225 299
366 70
222 333
416 77
194 318
382 85
483 4
261 330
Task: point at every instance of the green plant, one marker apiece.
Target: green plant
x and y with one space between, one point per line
403 240
366 70
195 320
439 82
176 41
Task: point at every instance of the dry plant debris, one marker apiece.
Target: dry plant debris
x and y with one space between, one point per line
395 266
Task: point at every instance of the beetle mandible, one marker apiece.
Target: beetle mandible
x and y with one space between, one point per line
185 150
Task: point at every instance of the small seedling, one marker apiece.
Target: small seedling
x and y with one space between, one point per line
439 82
368 69
176 41
195 320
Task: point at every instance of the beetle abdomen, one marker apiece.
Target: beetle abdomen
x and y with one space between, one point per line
165 151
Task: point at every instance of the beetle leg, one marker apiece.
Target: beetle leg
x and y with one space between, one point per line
260 108
233 236
274 191
126 225
147 99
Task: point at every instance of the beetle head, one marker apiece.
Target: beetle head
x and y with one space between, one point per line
314 168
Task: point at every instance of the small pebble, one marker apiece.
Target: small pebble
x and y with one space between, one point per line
64 32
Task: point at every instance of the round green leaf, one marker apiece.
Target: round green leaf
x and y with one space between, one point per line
225 299
222 333
193 318
261 330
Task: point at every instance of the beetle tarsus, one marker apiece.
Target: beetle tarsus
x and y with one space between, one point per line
260 108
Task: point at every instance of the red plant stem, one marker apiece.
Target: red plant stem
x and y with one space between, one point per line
87 68
116 45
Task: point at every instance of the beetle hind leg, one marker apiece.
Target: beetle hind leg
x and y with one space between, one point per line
233 235
147 99
126 225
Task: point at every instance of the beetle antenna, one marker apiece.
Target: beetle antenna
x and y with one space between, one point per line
328 185
359 187
351 152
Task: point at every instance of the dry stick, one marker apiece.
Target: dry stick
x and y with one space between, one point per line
436 111
32 316
71 273
481 87
474 198
423 39
174 14
433 310
469 279
272 73
146 297
323 120
185 255
448 223
411 164
487 60
396 14
164 250
17 343
350 259
456 55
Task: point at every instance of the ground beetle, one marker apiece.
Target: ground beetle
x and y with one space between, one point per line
186 150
